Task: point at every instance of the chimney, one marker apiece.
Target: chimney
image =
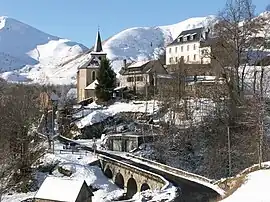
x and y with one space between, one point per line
125 63
206 34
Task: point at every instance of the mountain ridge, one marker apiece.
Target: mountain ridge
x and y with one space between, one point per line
55 60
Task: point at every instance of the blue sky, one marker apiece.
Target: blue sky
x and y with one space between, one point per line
78 19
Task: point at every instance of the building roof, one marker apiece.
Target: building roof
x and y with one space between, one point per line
98 44
94 62
60 189
92 86
140 67
195 33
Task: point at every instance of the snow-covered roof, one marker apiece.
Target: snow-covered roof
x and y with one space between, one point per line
92 86
120 88
72 93
164 76
54 97
60 189
139 64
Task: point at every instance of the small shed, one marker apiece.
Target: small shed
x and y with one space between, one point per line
55 189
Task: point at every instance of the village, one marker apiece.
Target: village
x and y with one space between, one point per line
191 124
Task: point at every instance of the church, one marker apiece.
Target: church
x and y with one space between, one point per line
87 73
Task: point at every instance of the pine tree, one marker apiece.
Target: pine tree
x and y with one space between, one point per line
106 81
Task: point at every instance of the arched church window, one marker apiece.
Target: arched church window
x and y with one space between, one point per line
93 75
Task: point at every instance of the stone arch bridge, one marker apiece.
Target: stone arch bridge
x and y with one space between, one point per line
129 177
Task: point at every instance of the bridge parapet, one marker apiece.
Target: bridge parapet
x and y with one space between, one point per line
184 174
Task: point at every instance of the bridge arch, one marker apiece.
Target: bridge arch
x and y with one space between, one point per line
108 172
145 187
131 187
119 180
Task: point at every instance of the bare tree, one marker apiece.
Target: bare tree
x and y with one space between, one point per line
20 147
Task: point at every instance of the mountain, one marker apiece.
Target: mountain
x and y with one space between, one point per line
23 47
27 54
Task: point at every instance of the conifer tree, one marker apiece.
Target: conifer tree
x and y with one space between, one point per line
106 81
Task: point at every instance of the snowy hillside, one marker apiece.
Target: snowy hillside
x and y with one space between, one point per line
47 59
22 45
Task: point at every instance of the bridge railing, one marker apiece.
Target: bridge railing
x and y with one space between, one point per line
173 170
183 174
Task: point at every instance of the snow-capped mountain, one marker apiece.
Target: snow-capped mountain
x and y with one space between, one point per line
23 47
27 54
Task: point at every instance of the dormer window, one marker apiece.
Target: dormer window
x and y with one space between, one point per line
191 37
180 39
185 38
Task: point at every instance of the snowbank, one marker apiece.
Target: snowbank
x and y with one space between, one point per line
104 113
255 189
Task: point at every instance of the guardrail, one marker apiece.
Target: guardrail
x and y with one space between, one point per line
181 173
172 169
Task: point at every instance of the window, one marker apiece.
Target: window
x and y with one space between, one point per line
194 57
194 47
170 50
139 78
191 37
175 49
185 38
187 47
130 79
187 58
176 59
182 48
170 60
93 75
203 52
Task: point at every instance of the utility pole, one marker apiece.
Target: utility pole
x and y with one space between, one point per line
260 151
52 127
229 151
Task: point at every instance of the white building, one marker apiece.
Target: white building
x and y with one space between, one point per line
191 45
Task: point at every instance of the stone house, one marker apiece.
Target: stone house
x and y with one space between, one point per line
87 73
139 75
56 189
191 46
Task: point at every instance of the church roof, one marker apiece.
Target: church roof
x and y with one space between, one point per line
98 45
94 62
92 86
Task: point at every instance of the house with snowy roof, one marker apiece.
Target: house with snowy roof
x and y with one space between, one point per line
191 45
139 75
56 189
87 73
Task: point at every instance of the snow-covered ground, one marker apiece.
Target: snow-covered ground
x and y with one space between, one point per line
98 115
78 163
198 109
254 189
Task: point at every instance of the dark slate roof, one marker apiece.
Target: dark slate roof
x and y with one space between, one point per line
145 67
197 33
98 45
94 62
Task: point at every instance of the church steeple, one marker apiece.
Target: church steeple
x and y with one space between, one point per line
98 45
